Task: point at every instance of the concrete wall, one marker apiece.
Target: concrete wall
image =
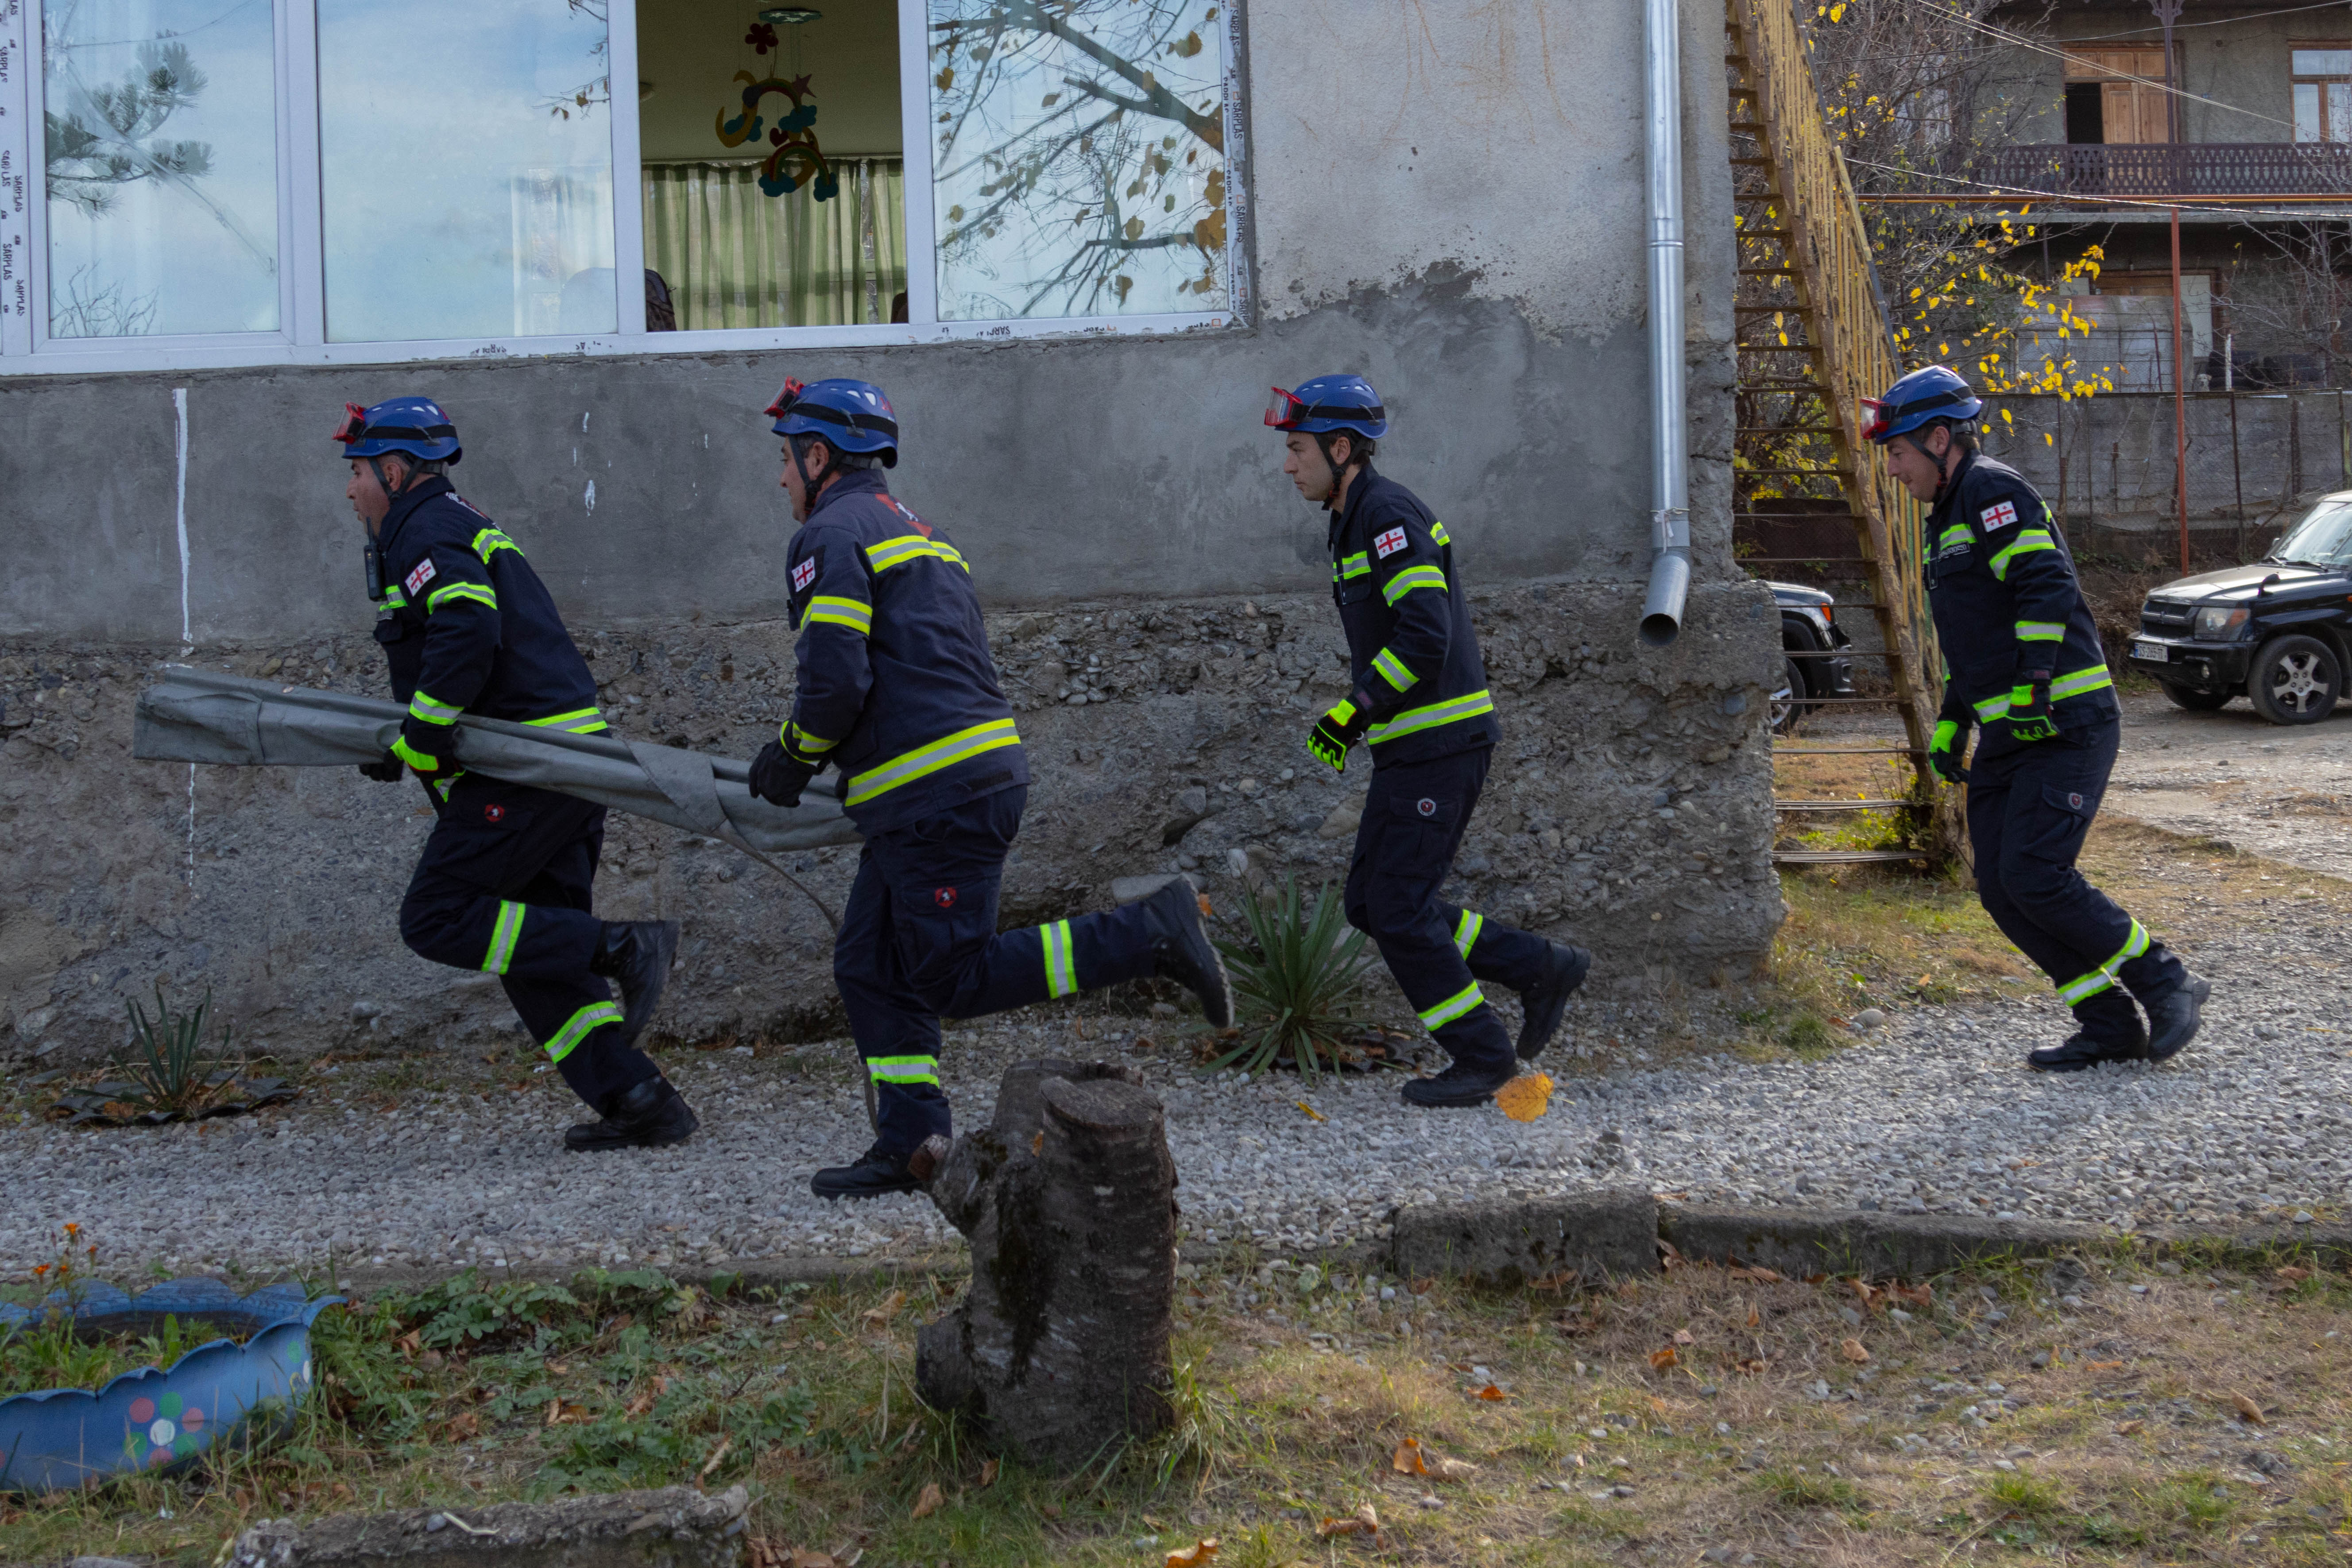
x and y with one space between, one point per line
2242 65
1469 236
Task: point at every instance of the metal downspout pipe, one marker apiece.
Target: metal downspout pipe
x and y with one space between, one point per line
1670 547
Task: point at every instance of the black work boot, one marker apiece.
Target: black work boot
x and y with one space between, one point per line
1461 1084
2173 1017
1543 1004
646 1117
636 955
2080 1051
1180 945
878 1172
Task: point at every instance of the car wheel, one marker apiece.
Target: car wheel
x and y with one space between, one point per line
2195 701
2295 680
1789 698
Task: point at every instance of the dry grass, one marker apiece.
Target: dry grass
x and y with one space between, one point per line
1762 1434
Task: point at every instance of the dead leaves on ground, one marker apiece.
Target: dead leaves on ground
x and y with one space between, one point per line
1363 1522
1412 1459
1526 1097
764 1554
930 1502
1853 1350
2248 1411
1201 1551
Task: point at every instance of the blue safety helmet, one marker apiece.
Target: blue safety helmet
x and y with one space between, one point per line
1329 405
412 426
1924 396
847 416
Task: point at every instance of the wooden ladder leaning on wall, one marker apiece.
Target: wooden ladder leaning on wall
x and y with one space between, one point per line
1813 341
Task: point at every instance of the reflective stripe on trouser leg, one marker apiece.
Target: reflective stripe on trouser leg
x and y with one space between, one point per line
2106 975
503 933
1061 966
565 1040
1453 1007
903 1070
1466 933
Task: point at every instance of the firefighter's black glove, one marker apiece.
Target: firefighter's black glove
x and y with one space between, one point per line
778 777
1336 732
1945 751
386 769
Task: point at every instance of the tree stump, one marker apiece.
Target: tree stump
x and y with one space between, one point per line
1060 1347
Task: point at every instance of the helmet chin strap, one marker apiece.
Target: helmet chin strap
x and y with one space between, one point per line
407 478
1323 444
796 445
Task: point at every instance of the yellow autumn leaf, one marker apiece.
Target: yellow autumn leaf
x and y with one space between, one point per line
1525 1098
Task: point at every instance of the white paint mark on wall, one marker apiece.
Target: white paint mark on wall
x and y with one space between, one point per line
583 424
592 498
187 632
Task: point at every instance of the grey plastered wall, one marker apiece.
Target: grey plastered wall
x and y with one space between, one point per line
1450 202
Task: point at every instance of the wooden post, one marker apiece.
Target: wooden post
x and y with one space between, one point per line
1061 1346
2179 371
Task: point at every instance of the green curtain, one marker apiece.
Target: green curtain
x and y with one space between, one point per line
735 257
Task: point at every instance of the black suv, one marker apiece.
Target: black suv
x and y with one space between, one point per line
1814 663
2276 631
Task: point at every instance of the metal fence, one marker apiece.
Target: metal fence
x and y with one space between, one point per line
2107 464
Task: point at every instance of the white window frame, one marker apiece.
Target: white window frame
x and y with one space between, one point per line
26 348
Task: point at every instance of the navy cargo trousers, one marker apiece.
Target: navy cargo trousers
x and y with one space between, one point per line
1414 816
505 887
2028 812
918 943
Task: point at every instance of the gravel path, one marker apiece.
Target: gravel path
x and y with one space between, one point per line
2283 793
1931 1113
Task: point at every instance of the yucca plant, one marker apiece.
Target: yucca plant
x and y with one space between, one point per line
170 1070
1293 980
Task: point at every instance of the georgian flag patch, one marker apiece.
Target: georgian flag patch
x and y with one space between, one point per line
2000 515
417 579
804 574
1389 544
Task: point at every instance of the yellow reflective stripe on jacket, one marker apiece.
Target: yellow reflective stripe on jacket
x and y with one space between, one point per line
394 598
925 760
2025 543
480 593
909 547
503 935
2041 631
1412 577
1991 708
1393 669
576 1028
1061 963
795 739
579 722
1453 1007
490 541
1956 534
432 710
1465 931
1437 532
1414 720
2077 682
832 610
1354 565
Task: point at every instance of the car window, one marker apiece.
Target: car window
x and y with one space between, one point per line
2324 537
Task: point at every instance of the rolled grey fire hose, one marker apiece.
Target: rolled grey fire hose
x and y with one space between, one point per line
196 716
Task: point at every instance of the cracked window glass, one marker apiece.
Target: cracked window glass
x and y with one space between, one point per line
1080 157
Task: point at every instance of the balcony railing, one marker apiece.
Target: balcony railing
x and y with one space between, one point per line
2158 170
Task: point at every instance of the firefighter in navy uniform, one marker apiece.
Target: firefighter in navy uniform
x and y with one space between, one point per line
1419 704
897 691
504 883
2024 661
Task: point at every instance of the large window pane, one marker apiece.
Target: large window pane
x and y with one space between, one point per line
161 166
467 159
1080 165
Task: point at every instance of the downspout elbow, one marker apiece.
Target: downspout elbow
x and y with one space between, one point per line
1670 547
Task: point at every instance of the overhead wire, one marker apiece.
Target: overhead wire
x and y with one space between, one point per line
2061 196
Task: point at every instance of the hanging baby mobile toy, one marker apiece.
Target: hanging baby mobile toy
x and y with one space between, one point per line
797 159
